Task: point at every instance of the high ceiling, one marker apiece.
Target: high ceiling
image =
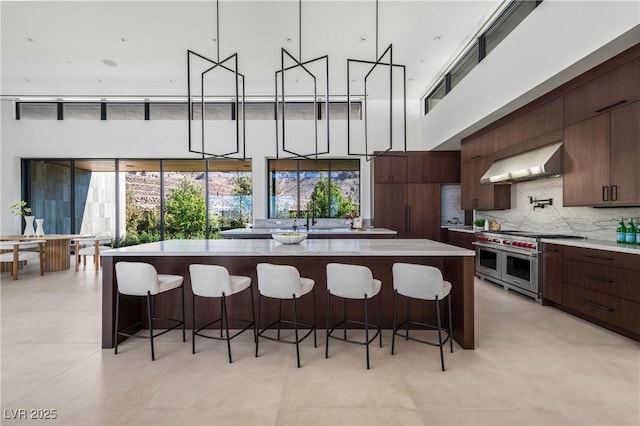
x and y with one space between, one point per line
139 48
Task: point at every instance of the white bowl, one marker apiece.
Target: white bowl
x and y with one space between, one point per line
289 237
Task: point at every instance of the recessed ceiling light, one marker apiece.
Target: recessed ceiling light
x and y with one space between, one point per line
98 80
170 81
214 39
409 80
422 61
437 37
29 39
109 62
68 62
362 39
122 39
27 80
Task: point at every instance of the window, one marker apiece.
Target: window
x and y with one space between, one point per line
125 111
213 111
434 97
506 22
322 188
259 111
158 199
464 65
38 111
168 111
81 111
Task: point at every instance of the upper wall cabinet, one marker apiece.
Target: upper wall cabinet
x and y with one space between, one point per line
601 159
418 167
433 167
390 169
618 87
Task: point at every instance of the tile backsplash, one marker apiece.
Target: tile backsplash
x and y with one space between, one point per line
450 203
589 222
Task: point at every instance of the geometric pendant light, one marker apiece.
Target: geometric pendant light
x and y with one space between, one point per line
209 79
299 80
381 92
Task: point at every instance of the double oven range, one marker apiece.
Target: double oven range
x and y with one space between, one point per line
512 258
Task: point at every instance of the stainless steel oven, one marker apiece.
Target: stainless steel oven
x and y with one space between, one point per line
511 258
508 261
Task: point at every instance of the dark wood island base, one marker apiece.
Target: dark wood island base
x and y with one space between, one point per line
456 264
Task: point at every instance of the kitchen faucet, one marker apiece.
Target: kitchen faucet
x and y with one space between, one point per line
295 225
312 208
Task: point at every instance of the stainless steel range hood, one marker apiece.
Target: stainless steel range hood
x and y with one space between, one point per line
540 162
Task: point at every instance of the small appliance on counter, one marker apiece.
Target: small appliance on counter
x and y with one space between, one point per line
357 223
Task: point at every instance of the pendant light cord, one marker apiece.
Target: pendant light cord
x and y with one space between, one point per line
300 31
218 29
376 30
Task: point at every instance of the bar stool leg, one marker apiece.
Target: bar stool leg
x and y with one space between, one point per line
450 326
366 328
380 319
279 315
295 326
258 324
184 331
221 315
150 309
408 316
326 345
226 324
117 313
253 315
345 319
193 324
315 321
395 320
439 331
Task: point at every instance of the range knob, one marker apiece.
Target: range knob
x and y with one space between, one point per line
516 243
505 242
496 240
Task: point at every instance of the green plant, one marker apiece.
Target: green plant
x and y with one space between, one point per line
19 208
479 222
185 212
339 206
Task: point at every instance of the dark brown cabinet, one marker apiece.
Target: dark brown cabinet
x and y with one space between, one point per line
597 285
434 167
615 88
411 209
601 157
390 169
460 239
475 195
552 273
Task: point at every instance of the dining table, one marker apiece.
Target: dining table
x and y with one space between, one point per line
57 250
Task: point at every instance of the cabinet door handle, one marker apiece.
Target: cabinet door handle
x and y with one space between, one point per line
550 250
597 278
615 104
474 157
598 306
408 222
605 193
614 192
591 256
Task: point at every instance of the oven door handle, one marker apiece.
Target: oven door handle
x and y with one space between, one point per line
506 251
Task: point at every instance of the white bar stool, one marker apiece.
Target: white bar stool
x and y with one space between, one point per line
142 279
283 282
424 283
352 282
214 281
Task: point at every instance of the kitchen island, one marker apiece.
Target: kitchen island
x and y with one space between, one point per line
313 233
240 257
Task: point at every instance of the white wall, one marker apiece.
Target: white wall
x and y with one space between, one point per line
146 139
558 41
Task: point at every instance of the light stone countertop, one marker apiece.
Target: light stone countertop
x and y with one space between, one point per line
246 232
460 228
268 247
596 244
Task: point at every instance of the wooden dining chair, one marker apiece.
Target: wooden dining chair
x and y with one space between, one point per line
91 246
16 252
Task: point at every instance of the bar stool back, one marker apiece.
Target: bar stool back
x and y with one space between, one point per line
142 279
424 283
283 282
352 282
213 281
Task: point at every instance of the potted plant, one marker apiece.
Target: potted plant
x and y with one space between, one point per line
20 208
479 224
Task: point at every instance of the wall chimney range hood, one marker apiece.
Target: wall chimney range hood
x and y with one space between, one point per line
534 164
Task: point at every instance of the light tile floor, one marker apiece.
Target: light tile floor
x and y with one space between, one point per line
533 365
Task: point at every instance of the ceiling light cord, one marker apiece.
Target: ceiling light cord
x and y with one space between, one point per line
376 29
300 30
218 29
